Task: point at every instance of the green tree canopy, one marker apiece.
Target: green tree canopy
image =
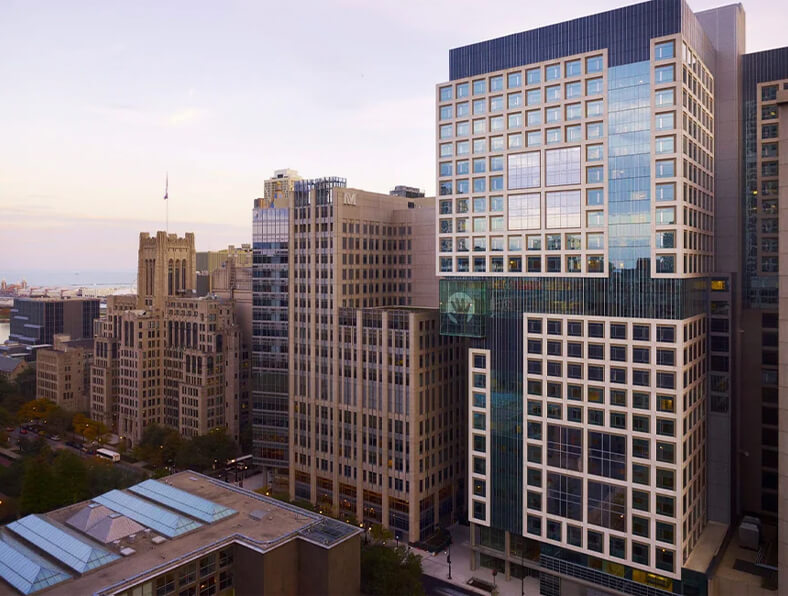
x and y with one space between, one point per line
390 571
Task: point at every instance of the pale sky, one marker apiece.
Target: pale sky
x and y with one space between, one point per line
101 98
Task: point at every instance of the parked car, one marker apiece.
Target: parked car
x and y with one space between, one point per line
54 437
22 431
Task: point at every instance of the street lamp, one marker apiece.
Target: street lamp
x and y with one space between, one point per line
396 537
448 559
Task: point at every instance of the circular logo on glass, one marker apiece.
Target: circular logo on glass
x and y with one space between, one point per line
460 308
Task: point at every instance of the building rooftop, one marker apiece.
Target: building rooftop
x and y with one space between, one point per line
95 553
8 364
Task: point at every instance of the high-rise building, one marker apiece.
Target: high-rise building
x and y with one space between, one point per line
167 356
63 373
606 224
346 340
36 321
269 383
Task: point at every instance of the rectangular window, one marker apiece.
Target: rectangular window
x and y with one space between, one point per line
553 136
664 50
463 109
462 90
515 120
496 83
496 103
533 76
524 211
552 93
524 171
665 144
666 121
595 264
665 97
665 215
607 506
480 87
514 79
562 166
533 97
573 68
565 496
445 93
574 111
594 130
665 168
573 90
665 74
594 64
574 134
514 100
666 191
562 209
445 113
595 108
594 86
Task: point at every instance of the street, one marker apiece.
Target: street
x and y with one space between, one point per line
438 587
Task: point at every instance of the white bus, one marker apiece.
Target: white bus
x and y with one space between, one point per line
113 456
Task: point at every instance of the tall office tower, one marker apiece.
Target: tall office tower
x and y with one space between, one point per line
166 267
36 321
167 356
63 373
376 406
269 383
576 248
280 185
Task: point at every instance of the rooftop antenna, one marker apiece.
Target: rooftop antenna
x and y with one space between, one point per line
166 202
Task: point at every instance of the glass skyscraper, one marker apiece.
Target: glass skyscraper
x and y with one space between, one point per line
578 250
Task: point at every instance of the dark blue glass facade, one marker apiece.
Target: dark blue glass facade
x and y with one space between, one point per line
759 291
625 32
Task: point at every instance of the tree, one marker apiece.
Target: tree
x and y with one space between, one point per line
37 482
200 453
37 410
159 445
71 477
380 534
390 571
91 430
26 383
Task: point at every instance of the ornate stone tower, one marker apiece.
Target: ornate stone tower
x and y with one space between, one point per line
166 267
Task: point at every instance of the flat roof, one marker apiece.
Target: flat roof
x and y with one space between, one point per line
260 522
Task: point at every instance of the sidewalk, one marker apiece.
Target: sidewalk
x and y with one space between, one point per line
436 566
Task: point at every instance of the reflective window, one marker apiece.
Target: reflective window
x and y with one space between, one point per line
514 100
666 264
479 126
463 186
445 168
595 241
666 239
445 149
594 130
665 168
665 97
524 170
463 129
562 209
479 185
496 103
594 196
574 134
565 496
514 79
594 64
573 242
552 72
594 174
607 506
552 93
666 192
573 264
594 86
496 143
594 153
666 121
665 215
533 138
515 120
479 146
479 165
552 114
595 264
574 111
496 163
562 166
445 93
496 182
479 106
665 74
574 90
496 203
462 167
533 117
594 108
462 90
664 50
479 87
533 76
496 123
534 243
496 83
565 447
445 112
515 243
665 144
462 109
524 212
515 141
595 219
574 68
533 97
552 136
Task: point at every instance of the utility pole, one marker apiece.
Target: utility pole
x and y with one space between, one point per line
448 559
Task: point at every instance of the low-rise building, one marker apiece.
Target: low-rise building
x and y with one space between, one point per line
186 534
63 373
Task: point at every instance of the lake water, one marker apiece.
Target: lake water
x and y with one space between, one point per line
5 330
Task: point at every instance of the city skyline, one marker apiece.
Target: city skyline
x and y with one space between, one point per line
139 91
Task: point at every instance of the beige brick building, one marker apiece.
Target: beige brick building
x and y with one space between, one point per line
166 356
376 395
63 373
